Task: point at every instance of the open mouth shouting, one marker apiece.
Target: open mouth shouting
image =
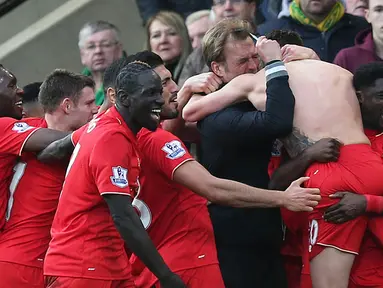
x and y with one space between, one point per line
155 113
19 104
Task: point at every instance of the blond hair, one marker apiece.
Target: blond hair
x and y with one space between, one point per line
213 43
175 21
196 16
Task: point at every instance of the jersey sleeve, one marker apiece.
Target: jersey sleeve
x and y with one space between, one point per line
77 134
164 150
111 165
14 134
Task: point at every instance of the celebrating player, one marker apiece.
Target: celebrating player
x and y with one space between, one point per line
68 101
86 249
16 136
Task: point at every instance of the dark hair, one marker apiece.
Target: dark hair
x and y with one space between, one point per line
112 71
61 84
284 37
148 57
366 75
31 92
127 79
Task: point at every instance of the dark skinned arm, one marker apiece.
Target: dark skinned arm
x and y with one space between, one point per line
325 150
59 150
40 139
137 239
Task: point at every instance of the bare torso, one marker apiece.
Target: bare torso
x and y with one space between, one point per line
325 104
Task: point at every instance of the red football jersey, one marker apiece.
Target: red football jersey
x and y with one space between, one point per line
31 209
13 135
77 134
176 219
370 256
85 242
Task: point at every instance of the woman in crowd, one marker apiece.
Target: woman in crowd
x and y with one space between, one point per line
168 37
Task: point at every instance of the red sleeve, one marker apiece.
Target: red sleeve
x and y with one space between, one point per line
87 127
112 165
164 150
374 204
77 134
13 135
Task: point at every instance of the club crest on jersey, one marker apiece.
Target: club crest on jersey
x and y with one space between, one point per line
120 177
173 149
21 127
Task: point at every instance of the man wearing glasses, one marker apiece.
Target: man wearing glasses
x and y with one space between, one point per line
100 46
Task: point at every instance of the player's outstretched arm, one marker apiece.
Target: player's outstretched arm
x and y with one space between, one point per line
57 151
194 176
235 91
325 150
40 139
137 239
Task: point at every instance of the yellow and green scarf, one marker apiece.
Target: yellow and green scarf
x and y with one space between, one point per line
332 18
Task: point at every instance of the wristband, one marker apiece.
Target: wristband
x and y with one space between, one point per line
374 204
275 69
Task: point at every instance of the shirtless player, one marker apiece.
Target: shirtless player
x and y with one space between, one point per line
325 107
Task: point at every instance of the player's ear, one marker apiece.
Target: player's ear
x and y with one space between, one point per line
217 69
66 105
360 96
111 94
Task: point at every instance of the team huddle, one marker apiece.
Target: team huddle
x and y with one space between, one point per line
107 197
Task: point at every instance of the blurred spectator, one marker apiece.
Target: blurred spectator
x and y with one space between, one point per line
168 37
356 7
268 10
241 9
100 45
323 25
368 43
148 8
197 24
31 104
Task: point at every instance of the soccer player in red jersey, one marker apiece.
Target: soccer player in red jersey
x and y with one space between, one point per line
368 83
16 136
366 271
68 101
325 150
95 216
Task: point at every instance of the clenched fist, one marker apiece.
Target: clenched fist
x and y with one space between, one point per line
268 50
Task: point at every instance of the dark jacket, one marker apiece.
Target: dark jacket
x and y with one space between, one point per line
325 44
362 53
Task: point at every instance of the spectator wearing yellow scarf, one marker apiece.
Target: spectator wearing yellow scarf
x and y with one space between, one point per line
331 19
323 25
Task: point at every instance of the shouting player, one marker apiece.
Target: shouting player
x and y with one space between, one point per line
176 218
68 101
16 136
331 110
95 216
